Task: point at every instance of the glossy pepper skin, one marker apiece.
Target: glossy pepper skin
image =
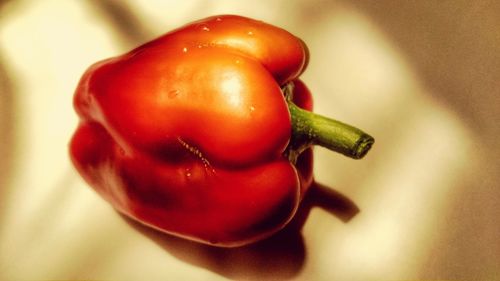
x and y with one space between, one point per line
189 133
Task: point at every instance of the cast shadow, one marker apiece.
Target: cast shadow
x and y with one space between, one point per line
279 256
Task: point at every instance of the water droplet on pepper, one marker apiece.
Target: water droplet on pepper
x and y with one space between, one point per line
173 94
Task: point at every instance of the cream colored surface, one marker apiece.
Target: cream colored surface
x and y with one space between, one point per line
420 76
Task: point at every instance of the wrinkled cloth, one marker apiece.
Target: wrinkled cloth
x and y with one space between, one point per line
421 77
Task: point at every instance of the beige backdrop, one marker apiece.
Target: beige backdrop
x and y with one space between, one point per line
421 76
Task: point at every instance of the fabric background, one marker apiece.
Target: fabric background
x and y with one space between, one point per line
421 76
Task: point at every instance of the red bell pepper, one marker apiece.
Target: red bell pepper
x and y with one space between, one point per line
205 132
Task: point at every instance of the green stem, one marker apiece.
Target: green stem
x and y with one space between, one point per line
313 129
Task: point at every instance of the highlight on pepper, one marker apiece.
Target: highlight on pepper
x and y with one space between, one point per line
205 132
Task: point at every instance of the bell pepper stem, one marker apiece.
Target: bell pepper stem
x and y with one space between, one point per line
309 129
